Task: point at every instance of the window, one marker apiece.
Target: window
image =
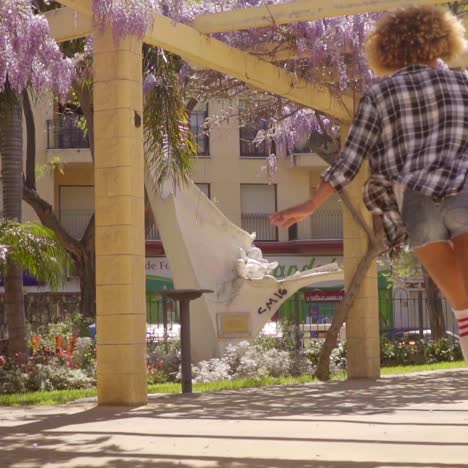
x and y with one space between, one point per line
257 203
247 135
76 208
199 131
327 221
293 232
64 133
205 188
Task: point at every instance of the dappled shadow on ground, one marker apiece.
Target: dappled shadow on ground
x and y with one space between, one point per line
157 461
102 433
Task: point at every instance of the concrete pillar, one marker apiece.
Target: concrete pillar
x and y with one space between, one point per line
120 254
362 327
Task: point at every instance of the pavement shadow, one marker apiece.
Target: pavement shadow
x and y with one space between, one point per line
307 402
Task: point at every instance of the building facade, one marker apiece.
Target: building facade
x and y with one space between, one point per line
231 170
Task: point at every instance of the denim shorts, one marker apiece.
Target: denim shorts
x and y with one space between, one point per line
427 221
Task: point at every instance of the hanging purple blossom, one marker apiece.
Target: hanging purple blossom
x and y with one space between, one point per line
28 55
150 83
126 17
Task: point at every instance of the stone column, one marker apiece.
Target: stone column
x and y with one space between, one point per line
362 327
120 248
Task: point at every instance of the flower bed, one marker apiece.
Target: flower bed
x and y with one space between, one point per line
62 358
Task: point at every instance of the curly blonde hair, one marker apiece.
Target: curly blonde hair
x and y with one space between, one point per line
414 35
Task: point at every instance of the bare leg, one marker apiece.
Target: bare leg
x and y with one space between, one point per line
448 270
460 245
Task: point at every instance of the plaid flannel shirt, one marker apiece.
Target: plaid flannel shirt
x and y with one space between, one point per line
413 129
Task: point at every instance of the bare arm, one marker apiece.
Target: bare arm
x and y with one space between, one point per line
362 137
298 213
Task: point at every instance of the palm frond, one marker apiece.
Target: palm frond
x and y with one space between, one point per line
36 250
169 144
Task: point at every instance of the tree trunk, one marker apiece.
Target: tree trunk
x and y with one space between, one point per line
434 308
88 290
11 150
81 251
376 247
87 273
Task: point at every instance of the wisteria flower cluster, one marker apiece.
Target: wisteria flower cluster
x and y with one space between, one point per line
29 56
126 17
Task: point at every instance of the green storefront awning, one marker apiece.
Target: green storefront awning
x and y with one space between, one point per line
155 284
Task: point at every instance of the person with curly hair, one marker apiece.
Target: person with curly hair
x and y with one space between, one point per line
412 127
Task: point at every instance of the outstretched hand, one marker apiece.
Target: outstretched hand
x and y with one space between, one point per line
296 214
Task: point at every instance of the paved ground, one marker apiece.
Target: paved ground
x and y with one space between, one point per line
403 421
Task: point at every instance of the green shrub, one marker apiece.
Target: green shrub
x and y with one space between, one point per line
408 352
163 361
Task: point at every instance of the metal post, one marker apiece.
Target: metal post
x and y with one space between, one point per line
185 346
184 296
297 323
164 317
420 314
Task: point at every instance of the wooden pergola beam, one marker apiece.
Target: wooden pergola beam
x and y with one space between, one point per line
81 6
66 24
293 12
211 53
216 55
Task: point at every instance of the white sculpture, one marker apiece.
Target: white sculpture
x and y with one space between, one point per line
207 251
252 265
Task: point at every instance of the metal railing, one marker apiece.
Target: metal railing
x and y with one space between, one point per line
63 133
399 318
153 233
260 224
199 130
410 315
75 222
42 309
248 147
327 224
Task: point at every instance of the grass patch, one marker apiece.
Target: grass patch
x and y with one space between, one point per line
55 397
58 397
251 383
423 367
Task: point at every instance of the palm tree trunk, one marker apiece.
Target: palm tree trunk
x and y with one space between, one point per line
11 151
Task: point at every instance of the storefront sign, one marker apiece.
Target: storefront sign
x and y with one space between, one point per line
323 296
158 274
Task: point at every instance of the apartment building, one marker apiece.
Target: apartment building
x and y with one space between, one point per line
230 170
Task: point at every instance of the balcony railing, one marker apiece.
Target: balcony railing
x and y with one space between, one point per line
259 223
153 233
75 222
63 133
247 146
327 224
